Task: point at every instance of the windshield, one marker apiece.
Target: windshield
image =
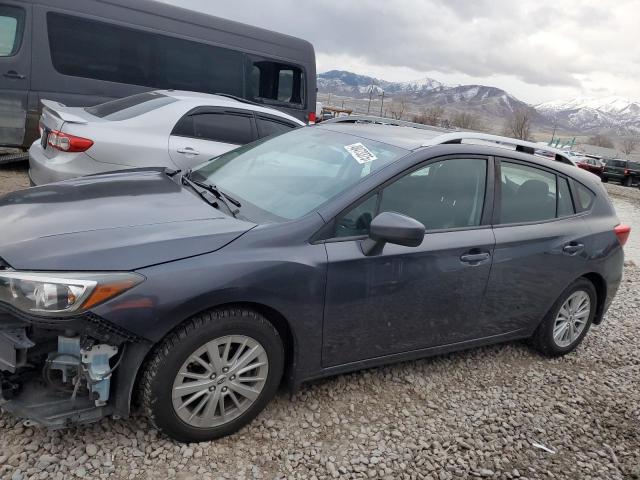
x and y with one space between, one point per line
288 176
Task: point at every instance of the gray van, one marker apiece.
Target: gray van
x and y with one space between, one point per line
81 53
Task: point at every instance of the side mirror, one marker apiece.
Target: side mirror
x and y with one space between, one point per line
390 227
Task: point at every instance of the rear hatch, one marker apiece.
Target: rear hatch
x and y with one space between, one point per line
615 167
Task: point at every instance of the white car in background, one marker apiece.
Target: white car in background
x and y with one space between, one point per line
163 128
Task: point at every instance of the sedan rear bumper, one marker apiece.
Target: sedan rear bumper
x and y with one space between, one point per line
63 166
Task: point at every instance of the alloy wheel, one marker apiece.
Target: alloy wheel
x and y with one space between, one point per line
571 319
220 381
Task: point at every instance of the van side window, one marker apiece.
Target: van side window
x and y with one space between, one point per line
11 27
276 83
99 50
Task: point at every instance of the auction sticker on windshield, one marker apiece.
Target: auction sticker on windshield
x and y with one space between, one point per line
360 153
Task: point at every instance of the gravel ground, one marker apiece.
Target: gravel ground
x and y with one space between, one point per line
478 413
13 177
616 190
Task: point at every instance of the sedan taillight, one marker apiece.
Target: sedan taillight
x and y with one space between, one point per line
622 231
68 143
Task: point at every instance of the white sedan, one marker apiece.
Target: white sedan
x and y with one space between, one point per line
163 128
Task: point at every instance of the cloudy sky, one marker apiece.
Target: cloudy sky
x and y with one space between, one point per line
538 50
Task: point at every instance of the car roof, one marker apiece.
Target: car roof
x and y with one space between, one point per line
225 101
411 137
399 136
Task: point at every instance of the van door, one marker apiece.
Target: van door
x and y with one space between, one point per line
15 70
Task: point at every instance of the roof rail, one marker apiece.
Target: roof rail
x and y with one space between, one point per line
518 145
383 121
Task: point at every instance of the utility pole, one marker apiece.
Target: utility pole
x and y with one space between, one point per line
370 95
553 135
381 104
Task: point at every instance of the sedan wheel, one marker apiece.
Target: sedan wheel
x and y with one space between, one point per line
571 319
220 381
212 375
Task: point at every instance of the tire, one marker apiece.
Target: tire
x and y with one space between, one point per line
164 374
604 179
543 338
627 181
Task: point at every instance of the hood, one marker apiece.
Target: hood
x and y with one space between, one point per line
118 221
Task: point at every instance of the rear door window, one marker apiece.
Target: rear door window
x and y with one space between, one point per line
565 204
528 194
11 28
268 127
234 128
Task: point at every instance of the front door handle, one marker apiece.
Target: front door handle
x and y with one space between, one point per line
573 248
15 75
475 258
188 151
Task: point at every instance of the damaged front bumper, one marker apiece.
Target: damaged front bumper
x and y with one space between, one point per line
56 372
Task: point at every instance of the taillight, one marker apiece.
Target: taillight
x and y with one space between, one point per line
626 172
312 118
68 143
622 231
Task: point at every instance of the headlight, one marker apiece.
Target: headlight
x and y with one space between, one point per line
60 294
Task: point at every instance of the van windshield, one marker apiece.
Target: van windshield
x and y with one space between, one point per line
129 107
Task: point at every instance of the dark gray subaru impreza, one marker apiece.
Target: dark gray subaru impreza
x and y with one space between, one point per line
321 251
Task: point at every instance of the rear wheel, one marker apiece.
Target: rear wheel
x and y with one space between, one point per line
604 179
568 321
213 375
627 181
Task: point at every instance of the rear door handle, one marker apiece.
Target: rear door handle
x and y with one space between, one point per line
475 258
15 75
573 248
188 151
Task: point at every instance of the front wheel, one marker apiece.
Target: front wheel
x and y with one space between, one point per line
568 321
213 375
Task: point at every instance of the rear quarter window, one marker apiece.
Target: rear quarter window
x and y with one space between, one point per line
582 196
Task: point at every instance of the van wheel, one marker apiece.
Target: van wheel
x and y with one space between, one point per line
605 179
212 375
568 321
627 182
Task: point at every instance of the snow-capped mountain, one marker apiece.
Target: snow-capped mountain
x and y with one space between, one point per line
590 114
487 101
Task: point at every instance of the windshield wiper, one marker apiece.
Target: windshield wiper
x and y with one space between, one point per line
213 189
209 196
203 188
